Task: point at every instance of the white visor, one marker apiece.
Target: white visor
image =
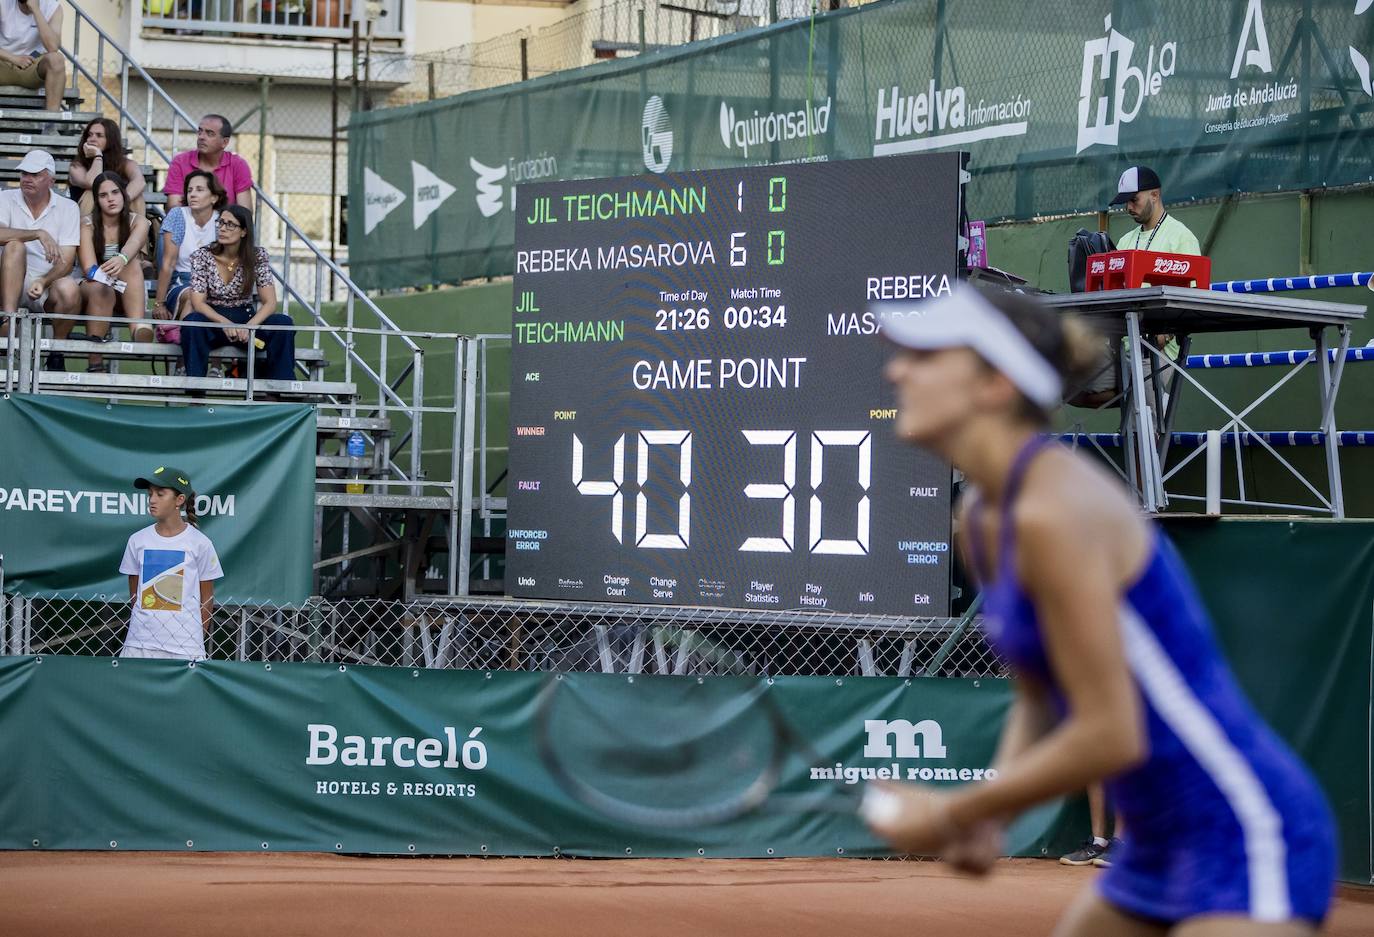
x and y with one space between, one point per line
964 319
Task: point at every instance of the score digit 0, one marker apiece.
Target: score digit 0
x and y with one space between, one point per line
860 440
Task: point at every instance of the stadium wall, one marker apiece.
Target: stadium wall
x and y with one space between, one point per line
105 753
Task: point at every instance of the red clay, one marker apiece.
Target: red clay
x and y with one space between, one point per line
305 895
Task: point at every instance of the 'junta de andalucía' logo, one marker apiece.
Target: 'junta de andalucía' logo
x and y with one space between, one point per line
1356 57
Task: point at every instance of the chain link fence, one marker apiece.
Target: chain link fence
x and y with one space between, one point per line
503 634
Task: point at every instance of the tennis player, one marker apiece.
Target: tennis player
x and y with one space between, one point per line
1118 676
171 567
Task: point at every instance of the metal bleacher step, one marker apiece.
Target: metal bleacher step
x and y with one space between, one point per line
330 499
343 425
81 348
12 141
20 119
9 169
366 464
159 384
33 98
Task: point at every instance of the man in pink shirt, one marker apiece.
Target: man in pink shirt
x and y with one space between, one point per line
210 155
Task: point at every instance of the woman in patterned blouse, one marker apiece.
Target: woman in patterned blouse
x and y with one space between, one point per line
223 278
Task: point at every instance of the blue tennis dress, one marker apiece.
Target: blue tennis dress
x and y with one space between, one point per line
1222 818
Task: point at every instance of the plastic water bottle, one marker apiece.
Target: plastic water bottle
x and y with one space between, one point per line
357 451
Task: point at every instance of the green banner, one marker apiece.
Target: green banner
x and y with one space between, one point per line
260 758
68 505
1293 604
1052 99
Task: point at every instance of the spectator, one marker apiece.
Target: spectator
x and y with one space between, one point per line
172 568
223 277
31 48
41 231
102 150
210 154
1098 848
110 235
186 230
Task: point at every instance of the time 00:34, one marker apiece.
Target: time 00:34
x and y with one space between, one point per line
734 317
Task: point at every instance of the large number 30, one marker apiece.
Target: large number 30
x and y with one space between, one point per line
860 440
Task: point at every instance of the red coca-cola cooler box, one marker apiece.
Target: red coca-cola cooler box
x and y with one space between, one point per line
1126 270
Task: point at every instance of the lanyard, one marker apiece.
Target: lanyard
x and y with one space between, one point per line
1154 232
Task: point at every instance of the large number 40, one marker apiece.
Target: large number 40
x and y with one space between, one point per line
615 488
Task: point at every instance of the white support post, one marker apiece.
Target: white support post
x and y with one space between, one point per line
1214 472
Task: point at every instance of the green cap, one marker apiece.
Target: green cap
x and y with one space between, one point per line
166 477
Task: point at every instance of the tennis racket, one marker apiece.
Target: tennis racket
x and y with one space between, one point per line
168 588
690 754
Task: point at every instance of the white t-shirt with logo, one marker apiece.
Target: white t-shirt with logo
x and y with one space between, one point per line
166 605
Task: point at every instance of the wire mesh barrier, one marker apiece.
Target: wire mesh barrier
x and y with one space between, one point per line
532 636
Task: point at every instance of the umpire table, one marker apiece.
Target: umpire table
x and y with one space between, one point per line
1148 420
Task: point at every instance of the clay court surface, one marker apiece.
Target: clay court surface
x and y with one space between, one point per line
304 895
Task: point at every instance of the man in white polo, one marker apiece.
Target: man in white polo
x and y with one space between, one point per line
41 231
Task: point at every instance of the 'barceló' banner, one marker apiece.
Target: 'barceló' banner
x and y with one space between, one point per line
324 758
1052 99
68 504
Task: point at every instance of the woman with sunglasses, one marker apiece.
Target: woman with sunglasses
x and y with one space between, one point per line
224 276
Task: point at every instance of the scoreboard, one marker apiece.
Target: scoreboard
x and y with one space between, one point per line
698 414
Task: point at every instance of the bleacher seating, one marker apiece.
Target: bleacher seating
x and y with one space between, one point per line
148 369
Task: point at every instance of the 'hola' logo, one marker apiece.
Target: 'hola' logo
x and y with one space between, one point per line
1111 55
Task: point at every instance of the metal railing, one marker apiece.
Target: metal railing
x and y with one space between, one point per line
505 634
109 82
272 19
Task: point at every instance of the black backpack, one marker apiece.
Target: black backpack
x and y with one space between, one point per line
1081 246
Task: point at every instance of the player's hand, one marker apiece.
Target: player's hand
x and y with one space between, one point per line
912 817
35 289
975 853
50 248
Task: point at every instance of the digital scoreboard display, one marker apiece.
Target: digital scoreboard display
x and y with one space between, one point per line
698 413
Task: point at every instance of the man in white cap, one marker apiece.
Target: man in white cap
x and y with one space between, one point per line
41 231
31 48
1139 190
